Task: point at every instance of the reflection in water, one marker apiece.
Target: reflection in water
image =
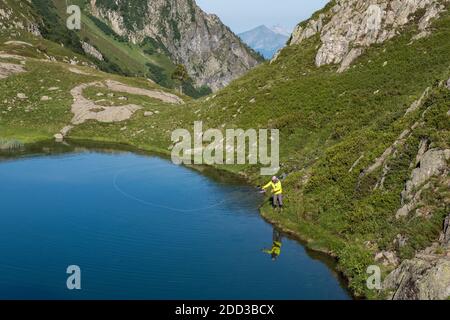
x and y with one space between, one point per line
142 228
275 251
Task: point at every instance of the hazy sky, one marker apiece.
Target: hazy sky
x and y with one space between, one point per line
243 15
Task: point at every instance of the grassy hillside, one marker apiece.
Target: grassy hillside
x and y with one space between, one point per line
333 126
32 118
328 121
149 59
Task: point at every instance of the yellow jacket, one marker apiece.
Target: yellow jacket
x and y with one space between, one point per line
276 187
276 249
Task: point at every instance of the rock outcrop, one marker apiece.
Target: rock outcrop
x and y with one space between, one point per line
426 277
387 258
350 26
431 163
92 51
212 54
22 20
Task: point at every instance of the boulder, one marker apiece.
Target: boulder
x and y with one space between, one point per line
59 137
433 163
387 258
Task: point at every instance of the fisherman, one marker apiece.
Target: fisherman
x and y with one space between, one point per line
276 245
277 192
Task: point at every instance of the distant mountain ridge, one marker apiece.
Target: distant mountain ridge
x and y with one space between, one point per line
146 38
212 54
266 41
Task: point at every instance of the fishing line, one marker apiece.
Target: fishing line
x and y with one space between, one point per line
148 203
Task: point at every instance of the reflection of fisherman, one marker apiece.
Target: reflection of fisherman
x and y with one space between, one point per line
277 192
276 245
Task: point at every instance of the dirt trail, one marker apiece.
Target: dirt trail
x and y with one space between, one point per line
156 94
5 55
18 43
78 71
85 109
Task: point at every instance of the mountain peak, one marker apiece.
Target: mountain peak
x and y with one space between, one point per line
198 40
264 40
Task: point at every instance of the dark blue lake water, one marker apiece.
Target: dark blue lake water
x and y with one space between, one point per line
140 227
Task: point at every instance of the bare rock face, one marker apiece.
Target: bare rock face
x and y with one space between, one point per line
433 163
427 275
304 32
212 54
387 258
445 236
421 278
429 164
92 51
352 25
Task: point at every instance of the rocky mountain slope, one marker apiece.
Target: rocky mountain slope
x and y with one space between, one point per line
364 144
15 15
350 26
264 40
150 44
212 54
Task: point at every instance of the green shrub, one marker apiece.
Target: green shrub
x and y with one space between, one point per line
353 261
54 28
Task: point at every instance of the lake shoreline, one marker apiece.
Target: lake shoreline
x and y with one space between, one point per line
105 145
